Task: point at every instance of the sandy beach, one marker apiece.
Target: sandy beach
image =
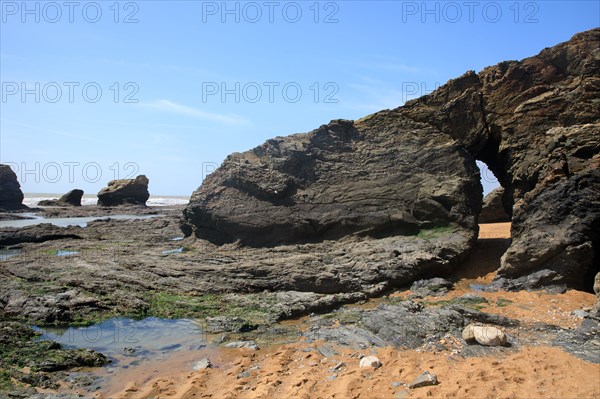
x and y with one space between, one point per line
299 370
304 200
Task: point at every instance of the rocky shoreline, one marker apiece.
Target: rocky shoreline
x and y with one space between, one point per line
366 232
123 268
123 265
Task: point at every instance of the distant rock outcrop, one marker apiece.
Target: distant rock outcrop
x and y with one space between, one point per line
125 192
493 210
72 198
534 122
11 196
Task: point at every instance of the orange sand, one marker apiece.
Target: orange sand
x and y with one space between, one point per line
289 372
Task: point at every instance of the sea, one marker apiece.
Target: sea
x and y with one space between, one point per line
32 199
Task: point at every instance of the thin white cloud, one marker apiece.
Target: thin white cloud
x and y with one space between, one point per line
47 130
176 108
381 62
376 97
371 94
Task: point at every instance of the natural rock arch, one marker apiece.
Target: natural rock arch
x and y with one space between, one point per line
534 122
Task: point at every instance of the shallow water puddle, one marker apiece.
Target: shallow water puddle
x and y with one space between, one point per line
65 222
479 287
134 338
173 251
65 253
6 254
139 349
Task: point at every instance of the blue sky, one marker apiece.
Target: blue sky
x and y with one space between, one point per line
93 91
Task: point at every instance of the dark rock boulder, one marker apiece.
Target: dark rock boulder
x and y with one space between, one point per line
492 210
125 192
11 196
72 198
535 123
432 287
377 176
346 207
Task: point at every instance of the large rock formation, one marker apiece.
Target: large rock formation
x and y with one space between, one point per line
493 210
72 198
377 176
534 122
11 196
125 192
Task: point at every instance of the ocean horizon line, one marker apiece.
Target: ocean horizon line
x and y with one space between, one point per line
57 195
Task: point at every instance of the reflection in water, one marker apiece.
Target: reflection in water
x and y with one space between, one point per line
66 253
139 349
6 254
173 251
116 336
64 222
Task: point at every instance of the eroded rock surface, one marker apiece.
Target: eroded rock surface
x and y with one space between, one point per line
380 200
19 351
37 233
122 264
379 176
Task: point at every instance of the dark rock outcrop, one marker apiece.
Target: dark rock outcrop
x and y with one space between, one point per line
120 264
411 325
377 176
407 325
21 348
37 233
125 192
72 198
399 198
534 122
432 287
492 210
11 196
